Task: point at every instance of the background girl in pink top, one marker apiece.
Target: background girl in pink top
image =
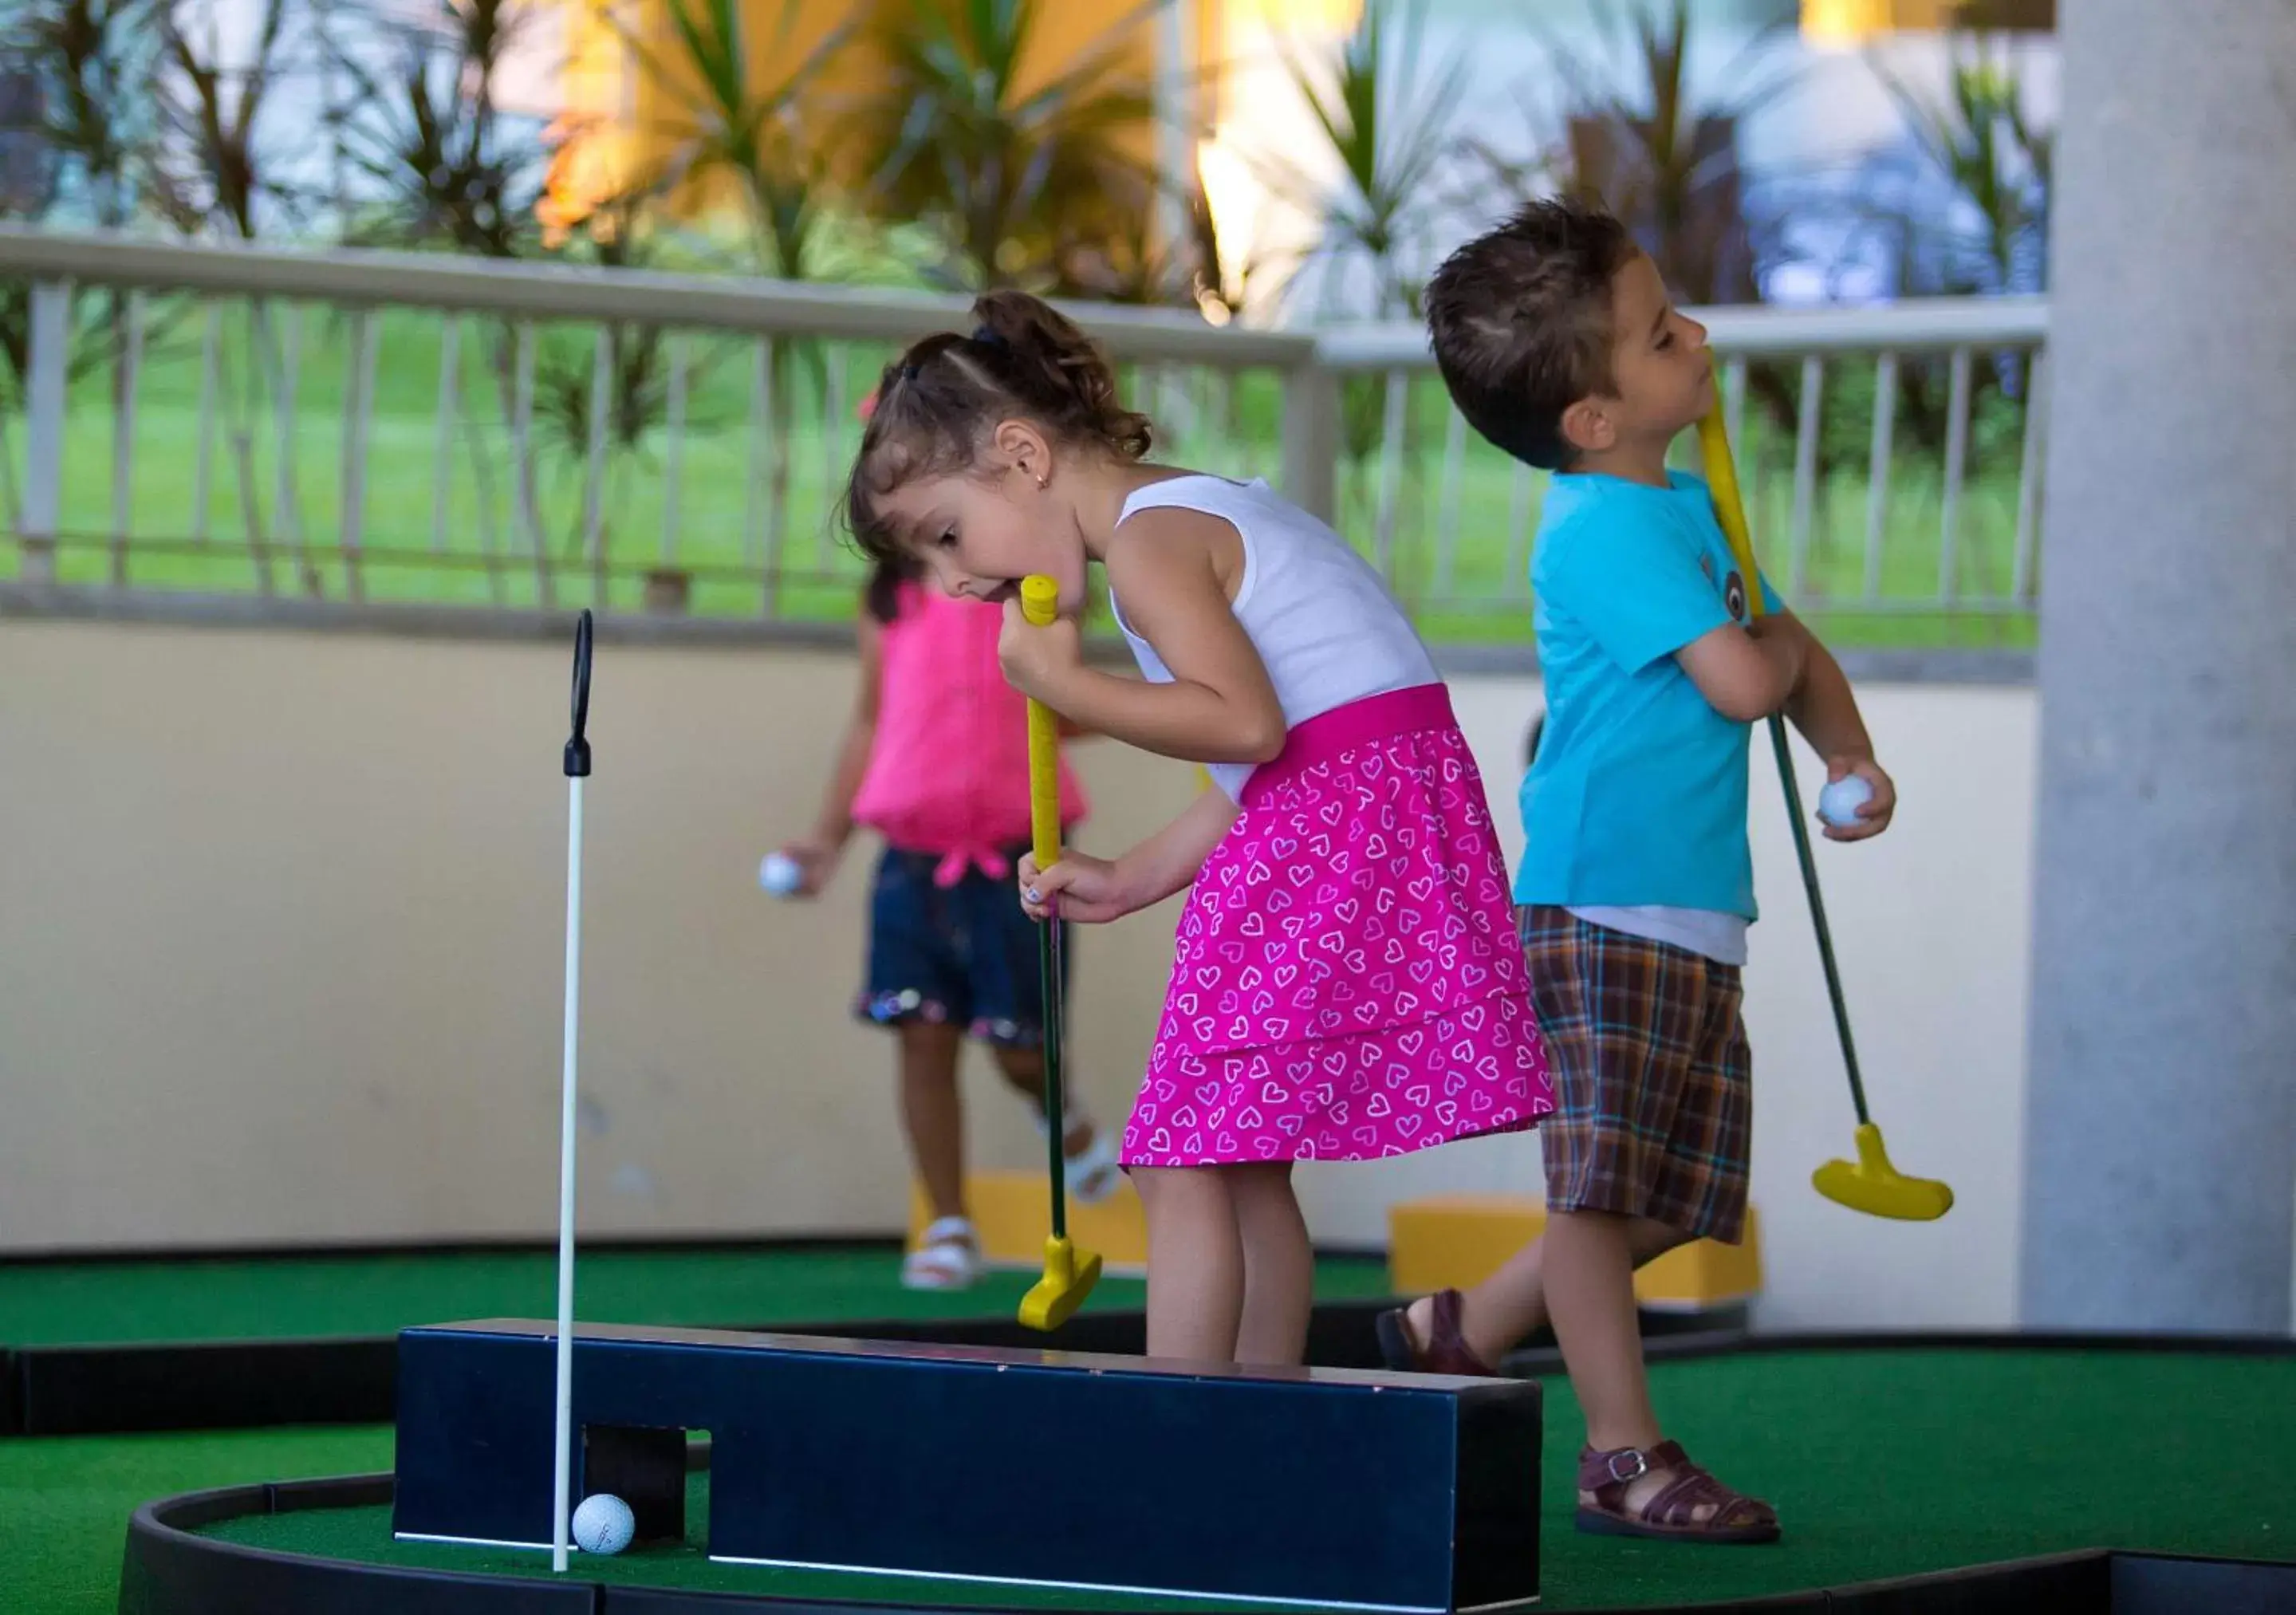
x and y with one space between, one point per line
935 761
1346 982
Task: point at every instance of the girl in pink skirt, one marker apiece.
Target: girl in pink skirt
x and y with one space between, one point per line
1347 983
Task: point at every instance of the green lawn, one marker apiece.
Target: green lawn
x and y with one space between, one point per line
467 543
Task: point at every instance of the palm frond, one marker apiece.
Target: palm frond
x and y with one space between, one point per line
448 164
1385 126
1641 123
1007 179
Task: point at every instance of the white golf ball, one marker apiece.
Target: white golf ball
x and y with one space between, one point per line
603 1524
1839 802
779 874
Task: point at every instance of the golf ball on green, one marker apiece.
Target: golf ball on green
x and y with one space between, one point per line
603 1524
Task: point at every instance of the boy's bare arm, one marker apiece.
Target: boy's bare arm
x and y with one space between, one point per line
1746 675
1825 708
1822 706
1778 665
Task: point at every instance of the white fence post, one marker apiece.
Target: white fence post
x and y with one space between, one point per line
1311 439
43 429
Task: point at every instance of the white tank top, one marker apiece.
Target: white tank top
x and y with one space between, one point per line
1321 619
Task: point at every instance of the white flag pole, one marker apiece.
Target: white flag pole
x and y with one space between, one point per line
577 768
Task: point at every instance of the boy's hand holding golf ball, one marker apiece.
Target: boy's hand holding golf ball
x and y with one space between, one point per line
1857 801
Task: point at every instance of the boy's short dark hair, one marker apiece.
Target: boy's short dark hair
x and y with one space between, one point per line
1521 320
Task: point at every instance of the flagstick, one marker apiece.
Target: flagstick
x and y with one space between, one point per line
577 766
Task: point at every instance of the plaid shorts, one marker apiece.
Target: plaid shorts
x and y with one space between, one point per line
1653 1086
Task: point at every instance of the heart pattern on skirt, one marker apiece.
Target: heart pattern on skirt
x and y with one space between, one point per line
1401 1015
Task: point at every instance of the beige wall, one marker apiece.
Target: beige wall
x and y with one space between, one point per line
281 923
1930 924
279 934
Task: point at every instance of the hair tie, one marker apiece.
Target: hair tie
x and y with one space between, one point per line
988 337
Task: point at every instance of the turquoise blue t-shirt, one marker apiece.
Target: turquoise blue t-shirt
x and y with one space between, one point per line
1638 792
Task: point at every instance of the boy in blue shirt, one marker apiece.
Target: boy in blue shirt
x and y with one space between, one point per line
1556 338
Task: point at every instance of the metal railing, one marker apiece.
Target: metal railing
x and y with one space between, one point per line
1938 531
370 427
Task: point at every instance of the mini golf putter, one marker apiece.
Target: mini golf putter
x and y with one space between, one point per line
1869 1184
1873 1186
1070 1274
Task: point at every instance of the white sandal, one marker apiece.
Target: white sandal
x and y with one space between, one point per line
947 1256
1095 1172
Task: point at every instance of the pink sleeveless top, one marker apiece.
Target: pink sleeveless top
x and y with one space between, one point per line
949 771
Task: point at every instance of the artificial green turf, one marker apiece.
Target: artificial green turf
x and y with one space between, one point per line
280 1297
66 1499
1886 1464
364 1533
1881 1464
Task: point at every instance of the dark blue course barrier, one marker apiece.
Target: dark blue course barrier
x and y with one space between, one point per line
1330 1487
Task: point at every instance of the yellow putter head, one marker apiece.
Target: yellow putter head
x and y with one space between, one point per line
1873 1186
1069 1276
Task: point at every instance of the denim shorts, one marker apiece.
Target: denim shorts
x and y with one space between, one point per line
965 954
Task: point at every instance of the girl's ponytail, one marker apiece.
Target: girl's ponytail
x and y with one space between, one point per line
1054 366
935 404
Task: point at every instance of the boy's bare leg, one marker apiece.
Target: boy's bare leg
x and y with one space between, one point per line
1590 1290
1589 1274
1511 1303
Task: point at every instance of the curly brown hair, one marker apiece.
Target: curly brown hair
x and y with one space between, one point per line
935 404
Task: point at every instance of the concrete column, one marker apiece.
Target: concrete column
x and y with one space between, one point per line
2160 1141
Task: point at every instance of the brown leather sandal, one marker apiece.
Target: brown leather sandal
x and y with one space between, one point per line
1447 1351
1672 1510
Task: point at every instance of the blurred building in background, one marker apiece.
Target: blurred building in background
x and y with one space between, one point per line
1830 151
1294 159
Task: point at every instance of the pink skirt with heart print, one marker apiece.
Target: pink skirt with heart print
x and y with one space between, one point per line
1346 981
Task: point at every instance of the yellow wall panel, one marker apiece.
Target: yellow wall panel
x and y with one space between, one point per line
1848 21
1455 1242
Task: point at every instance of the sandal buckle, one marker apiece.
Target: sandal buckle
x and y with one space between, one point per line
1634 1455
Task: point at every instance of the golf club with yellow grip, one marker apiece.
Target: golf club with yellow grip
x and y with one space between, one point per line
1869 1184
1070 1274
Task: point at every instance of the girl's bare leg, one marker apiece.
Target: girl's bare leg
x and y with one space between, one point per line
1279 1265
1195 1263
